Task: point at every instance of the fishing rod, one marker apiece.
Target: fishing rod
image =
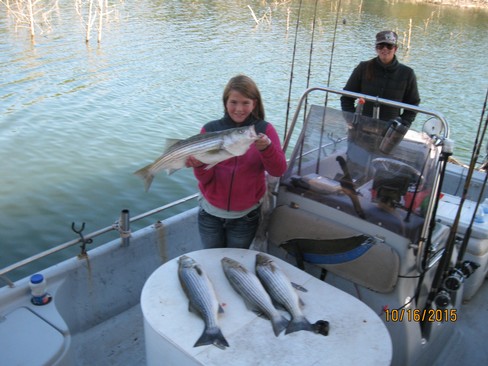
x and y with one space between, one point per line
443 268
466 268
308 83
328 82
333 48
467 234
311 48
292 68
308 75
444 158
310 58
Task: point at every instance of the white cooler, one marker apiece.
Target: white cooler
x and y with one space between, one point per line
477 249
357 336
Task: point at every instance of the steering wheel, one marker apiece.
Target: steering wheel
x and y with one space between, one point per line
395 167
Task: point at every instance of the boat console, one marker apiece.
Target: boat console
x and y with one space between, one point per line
339 162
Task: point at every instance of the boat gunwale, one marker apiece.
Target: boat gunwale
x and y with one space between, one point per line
69 244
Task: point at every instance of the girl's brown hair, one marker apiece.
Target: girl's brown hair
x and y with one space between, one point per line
247 87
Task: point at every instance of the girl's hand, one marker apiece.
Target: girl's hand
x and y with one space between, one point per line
192 162
262 142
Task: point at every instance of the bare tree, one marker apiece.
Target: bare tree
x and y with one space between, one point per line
34 15
90 11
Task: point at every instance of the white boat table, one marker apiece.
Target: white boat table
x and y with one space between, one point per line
357 336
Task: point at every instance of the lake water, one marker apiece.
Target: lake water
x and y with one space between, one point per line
76 119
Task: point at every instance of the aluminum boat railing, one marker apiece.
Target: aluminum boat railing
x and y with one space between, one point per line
122 226
442 137
380 101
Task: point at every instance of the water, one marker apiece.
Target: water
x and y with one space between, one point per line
77 120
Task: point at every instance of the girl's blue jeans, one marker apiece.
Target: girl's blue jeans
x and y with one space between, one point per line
216 232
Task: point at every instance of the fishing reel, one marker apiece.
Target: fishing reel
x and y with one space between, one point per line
442 299
453 282
458 275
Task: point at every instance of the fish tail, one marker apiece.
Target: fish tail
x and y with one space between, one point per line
212 336
300 323
279 324
146 174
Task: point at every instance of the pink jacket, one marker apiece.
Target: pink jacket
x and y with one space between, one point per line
239 183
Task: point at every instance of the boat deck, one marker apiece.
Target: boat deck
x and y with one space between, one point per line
117 341
469 346
120 340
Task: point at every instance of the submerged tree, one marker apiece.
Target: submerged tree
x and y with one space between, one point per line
92 12
35 15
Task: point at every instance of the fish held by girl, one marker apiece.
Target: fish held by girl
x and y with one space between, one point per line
210 148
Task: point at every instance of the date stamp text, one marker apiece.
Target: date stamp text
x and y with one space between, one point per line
421 315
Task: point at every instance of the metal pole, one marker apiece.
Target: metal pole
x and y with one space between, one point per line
124 227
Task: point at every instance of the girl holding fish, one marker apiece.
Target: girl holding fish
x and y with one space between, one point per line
232 191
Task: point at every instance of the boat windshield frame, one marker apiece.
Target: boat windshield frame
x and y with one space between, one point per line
340 159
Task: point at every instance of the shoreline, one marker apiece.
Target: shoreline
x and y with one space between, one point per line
465 4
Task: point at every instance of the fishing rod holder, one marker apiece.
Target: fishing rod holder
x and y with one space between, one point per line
82 239
468 268
123 227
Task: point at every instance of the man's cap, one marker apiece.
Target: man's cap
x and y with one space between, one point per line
387 37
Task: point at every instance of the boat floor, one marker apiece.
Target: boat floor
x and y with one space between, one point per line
468 347
117 341
120 340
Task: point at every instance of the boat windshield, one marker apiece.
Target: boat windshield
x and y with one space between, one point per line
380 171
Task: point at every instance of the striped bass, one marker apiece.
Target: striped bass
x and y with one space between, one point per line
203 301
252 291
210 148
282 292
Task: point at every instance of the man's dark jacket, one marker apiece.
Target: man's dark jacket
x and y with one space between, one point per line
394 81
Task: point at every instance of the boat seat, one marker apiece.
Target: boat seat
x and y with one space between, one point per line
28 339
311 239
398 221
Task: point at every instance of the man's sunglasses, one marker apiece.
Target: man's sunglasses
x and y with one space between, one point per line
380 46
